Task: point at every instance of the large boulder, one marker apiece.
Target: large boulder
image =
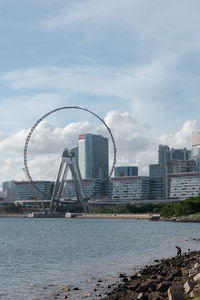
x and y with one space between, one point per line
188 286
142 296
195 292
176 292
196 278
194 271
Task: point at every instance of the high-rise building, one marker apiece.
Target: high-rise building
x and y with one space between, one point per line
181 166
165 154
93 156
170 161
126 171
180 154
196 148
158 181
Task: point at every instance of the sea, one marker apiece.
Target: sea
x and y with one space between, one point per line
80 258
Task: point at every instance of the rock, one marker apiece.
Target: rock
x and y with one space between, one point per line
133 276
156 260
188 286
122 275
125 279
86 295
65 297
196 278
176 293
66 288
177 273
163 286
134 287
142 296
152 285
100 280
170 278
160 278
195 292
76 289
194 271
143 288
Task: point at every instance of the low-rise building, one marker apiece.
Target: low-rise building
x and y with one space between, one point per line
91 186
25 190
131 188
184 185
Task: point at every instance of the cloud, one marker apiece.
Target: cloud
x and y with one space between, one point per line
47 143
134 146
138 84
170 26
182 138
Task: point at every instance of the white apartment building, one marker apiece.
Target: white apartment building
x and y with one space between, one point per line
184 185
131 188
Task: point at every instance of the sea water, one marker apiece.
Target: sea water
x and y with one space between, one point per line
38 256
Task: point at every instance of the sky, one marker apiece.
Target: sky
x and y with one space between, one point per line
135 63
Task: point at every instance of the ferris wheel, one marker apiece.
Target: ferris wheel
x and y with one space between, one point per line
26 146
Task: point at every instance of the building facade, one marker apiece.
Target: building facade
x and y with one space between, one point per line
24 190
158 181
184 185
93 156
126 171
91 186
181 166
165 154
131 188
196 148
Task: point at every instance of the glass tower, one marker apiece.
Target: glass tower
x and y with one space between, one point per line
93 156
196 148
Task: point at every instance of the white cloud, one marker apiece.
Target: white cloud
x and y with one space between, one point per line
182 138
168 26
134 147
130 82
47 143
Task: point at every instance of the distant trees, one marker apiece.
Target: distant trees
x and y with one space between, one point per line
167 210
186 207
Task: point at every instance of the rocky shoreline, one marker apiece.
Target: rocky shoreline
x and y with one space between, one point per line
188 218
156 282
176 278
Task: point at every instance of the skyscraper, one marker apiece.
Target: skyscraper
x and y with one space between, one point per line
126 171
163 154
196 148
93 156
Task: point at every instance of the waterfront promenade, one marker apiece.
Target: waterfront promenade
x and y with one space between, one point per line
114 216
85 215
